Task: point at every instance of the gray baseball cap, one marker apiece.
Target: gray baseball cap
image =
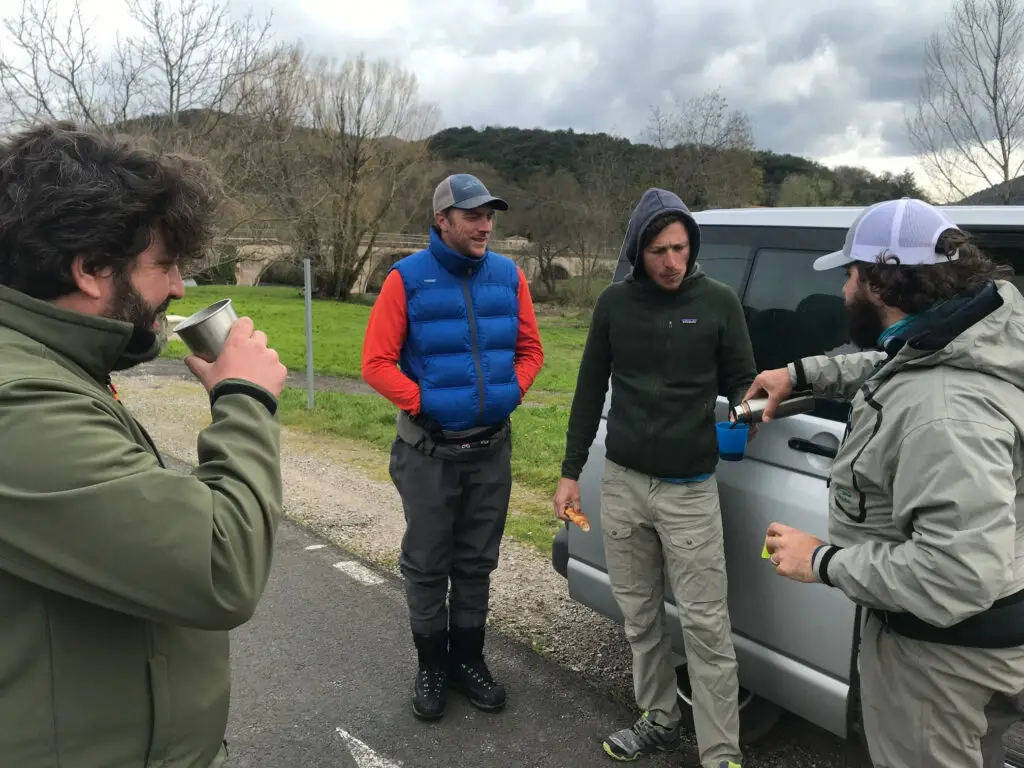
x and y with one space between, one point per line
462 190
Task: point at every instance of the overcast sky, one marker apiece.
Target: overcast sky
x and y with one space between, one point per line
828 79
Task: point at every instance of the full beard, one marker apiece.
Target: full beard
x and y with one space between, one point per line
865 323
128 306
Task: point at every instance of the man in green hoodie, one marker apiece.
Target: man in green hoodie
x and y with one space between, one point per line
119 578
671 340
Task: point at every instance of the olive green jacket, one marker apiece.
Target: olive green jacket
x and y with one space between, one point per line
120 578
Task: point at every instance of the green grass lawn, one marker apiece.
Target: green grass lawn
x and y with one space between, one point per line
338 330
538 431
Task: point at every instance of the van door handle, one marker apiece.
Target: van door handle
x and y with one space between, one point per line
806 446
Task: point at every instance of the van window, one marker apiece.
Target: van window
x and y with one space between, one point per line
725 263
794 312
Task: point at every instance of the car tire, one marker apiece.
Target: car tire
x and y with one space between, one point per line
757 715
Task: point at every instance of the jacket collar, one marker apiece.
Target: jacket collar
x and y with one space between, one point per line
453 261
97 345
938 326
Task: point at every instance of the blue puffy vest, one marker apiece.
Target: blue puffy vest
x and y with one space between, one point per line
463 322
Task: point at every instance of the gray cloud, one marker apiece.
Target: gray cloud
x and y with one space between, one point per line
806 77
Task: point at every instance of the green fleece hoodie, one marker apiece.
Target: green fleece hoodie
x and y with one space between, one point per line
119 578
668 355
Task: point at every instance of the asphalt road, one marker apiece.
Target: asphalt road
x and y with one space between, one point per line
322 678
323 675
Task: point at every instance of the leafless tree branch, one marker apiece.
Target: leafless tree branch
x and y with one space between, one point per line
337 143
711 149
968 123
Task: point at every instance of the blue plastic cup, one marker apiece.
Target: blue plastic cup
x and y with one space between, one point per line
732 440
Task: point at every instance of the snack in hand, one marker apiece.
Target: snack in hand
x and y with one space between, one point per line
577 517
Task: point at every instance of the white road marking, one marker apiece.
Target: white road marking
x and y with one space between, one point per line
311 547
362 754
360 573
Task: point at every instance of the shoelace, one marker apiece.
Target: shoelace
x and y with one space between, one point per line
433 680
643 728
479 672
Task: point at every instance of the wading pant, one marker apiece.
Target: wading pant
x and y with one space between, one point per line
928 705
653 528
455 515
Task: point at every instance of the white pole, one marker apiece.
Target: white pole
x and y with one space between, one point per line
309 332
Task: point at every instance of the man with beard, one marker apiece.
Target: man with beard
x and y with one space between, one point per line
927 490
119 578
671 340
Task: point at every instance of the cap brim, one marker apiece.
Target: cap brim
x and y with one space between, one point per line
476 202
831 261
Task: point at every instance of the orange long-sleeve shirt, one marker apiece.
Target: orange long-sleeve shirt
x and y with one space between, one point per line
386 332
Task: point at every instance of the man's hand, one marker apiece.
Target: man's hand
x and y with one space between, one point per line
776 385
568 493
791 552
246 356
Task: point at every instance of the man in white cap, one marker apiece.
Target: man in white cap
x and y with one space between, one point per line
927 490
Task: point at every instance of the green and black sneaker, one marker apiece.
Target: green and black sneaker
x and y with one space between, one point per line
642 738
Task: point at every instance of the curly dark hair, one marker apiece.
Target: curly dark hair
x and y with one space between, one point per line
914 289
66 192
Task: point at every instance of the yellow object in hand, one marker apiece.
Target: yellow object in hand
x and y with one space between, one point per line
764 553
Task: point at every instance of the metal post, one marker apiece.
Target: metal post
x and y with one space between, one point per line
309 332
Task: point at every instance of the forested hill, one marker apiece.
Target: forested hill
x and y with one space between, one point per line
516 155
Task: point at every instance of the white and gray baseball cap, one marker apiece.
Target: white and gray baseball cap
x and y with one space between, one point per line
463 190
907 228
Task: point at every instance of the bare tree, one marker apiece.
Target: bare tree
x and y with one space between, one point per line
177 79
52 68
336 144
608 191
549 205
187 58
712 150
968 124
195 58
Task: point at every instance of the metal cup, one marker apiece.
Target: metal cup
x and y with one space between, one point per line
205 332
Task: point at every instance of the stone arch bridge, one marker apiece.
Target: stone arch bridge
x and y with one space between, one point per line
255 257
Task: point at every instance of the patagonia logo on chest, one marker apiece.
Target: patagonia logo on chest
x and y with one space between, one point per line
688 320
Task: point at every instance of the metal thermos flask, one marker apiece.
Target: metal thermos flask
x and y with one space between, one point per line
750 411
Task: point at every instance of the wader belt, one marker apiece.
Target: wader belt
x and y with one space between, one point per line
1001 626
464 445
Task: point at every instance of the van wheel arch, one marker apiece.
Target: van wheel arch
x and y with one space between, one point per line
758 716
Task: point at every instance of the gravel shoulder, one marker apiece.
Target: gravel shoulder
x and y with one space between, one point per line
340 491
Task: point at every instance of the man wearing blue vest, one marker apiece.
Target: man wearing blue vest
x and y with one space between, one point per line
452 341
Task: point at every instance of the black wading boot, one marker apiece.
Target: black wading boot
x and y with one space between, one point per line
429 698
468 673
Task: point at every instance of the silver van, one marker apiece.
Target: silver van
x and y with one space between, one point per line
796 644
